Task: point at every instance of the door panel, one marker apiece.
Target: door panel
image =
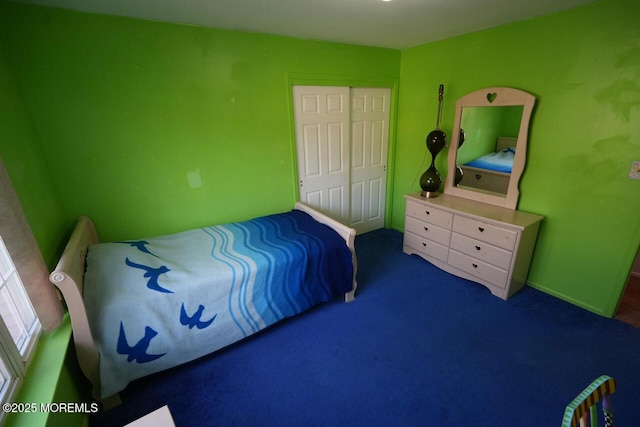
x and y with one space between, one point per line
369 148
322 134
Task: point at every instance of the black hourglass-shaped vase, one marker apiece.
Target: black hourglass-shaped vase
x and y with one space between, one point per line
431 180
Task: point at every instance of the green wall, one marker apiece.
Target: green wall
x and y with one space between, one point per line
151 127
21 153
583 66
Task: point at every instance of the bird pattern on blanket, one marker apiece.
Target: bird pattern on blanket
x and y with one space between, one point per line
152 274
194 320
139 351
141 245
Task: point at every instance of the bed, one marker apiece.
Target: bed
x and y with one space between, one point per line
492 171
138 307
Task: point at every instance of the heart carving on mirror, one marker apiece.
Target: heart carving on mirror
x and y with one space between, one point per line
491 96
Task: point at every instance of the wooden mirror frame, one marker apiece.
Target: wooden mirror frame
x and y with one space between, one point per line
492 97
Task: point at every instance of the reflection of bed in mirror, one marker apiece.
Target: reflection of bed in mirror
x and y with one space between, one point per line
492 171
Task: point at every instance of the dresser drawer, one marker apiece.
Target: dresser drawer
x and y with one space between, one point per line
427 230
480 269
481 250
501 237
426 246
427 213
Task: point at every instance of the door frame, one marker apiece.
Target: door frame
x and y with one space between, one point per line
303 79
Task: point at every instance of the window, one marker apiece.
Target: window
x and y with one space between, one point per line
19 327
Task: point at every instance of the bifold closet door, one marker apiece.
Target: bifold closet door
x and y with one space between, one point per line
342 144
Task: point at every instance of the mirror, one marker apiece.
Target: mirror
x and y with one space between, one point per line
491 152
486 157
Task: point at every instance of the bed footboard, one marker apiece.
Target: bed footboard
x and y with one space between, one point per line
347 233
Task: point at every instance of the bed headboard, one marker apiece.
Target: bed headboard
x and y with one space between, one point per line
68 278
505 142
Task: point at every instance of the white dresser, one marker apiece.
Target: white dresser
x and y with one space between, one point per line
487 244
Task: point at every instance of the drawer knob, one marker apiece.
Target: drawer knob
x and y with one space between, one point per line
481 229
426 228
477 248
427 212
424 244
474 265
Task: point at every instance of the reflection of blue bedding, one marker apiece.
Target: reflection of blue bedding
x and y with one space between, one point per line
498 162
157 303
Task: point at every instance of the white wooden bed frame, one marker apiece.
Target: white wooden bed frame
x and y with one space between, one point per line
69 274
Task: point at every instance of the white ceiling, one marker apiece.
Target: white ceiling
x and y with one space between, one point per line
393 24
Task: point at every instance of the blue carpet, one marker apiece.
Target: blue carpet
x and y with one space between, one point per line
418 347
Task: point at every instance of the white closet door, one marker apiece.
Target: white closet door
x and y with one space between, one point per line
369 150
322 135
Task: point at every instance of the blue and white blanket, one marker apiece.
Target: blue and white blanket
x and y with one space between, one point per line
501 161
157 303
